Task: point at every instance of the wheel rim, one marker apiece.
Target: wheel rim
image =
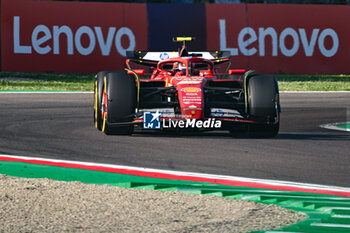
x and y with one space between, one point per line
104 105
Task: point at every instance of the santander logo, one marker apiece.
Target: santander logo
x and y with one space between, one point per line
46 40
248 37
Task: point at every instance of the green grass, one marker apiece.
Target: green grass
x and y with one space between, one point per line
46 85
84 82
46 81
313 82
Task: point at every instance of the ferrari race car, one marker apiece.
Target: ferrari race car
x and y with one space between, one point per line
184 90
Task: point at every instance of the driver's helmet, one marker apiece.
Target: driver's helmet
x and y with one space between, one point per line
179 66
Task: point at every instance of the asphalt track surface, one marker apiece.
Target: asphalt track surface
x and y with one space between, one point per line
60 126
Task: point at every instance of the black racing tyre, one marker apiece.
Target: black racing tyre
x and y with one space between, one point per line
98 121
121 103
263 105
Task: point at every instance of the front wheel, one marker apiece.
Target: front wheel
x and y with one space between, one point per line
263 102
98 89
118 103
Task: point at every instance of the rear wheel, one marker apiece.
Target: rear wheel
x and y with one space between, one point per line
118 103
263 103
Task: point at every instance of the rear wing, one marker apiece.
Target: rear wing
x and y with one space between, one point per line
154 57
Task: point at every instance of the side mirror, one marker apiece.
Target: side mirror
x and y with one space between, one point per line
137 71
236 71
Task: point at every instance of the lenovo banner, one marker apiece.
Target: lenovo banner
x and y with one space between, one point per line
39 36
50 36
274 38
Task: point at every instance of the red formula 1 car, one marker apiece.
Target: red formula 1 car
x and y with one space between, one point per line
185 90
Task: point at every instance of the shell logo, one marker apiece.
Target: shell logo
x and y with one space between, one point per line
191 89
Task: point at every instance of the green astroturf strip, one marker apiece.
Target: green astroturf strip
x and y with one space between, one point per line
344 126
326 213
